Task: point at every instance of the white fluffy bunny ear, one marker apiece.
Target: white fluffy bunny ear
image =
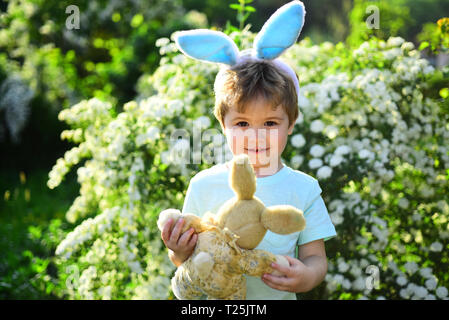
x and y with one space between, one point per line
207 45
280 31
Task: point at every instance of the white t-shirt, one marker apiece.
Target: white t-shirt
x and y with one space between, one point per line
209 189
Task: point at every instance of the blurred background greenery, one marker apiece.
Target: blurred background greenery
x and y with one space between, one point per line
44 68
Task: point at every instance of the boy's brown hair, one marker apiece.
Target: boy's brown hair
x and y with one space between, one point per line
253 79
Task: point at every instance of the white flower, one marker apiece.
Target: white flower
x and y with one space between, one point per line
431 284
317 126
441 292
420 292
315 163
335 160
336 218
346 284
392 53
162 42
298 140
343 266
342 150
202 122
428 69
426 272
296 161
331 131
317 151
403 203
300 119
105 292
395 41
436 247
411 267
324 172
404 293
359 284
407 46
181 145
364 154
303 101
338 278
135 267
401 280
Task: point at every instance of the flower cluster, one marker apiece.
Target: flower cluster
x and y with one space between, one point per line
368 130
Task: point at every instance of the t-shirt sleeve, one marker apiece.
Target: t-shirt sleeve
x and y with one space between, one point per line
318 222
190 202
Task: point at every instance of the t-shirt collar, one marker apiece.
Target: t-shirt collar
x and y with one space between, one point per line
274 178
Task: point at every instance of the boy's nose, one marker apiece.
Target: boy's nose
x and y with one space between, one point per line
258 138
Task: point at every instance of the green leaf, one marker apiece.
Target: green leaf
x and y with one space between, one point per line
423 45
235 6
35 232
137 20
444 93
250 9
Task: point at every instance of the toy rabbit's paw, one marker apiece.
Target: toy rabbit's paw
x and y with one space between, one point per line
203 263
165 215
282 261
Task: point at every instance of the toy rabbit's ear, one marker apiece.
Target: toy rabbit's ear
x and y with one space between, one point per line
280 31
207 45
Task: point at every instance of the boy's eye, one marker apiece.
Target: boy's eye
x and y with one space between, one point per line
239 124
244 123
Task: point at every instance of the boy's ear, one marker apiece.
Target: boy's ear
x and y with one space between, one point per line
290 129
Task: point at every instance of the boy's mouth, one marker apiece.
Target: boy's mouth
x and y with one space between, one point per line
257 150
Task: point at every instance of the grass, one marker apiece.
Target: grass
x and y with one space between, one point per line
32 222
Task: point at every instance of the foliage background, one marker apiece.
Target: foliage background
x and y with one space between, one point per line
95 107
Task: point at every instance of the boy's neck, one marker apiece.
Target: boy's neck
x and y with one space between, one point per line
266 173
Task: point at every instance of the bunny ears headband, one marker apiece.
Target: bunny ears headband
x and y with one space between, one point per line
278 34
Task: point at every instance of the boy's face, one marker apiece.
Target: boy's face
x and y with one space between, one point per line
260 132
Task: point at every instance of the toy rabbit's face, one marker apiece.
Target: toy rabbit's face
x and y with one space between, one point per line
244 219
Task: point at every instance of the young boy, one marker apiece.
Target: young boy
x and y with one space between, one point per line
256 105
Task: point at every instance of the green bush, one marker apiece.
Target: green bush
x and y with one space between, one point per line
373 131
57 67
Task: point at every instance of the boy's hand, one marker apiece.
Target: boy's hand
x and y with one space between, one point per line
181 245
296 277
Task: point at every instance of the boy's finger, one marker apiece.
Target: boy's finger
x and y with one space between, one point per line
192 241
165 234
278 283
293 261
177 231
185 237
281 269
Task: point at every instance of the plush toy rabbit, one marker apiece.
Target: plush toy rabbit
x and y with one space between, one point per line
225 248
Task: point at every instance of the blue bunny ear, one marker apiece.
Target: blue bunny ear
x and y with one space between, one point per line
280 31
207 45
